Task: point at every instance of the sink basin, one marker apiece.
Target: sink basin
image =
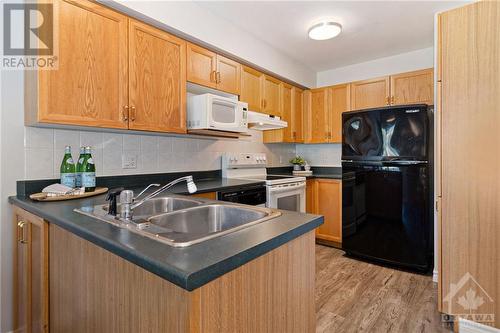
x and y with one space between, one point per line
198 224
180 222
158 206
207 219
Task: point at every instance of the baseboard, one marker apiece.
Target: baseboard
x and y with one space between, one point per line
468 326
435 275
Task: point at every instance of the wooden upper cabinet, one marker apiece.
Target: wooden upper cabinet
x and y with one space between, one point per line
201 66
251 91
271 95
328 202
90 87
286 110
413 88
371 93
228 75
31 270
339 103
317 116
297 115
157 80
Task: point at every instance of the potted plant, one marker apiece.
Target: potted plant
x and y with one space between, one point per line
297 162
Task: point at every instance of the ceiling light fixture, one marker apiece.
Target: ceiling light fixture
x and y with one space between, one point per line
324 30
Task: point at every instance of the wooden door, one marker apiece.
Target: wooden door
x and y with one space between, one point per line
340 102
297 115
413 88
251 91
201 66
31 291
328 202
90 86
157 80
271 95
228 75
371 93
317 117
285 134
470 140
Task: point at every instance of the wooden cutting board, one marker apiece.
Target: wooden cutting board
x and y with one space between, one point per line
44 197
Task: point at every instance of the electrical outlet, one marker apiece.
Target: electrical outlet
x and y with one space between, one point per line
129 161
281 159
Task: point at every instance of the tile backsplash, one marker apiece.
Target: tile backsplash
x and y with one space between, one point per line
321 154
44 150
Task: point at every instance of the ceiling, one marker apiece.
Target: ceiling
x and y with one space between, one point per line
371 29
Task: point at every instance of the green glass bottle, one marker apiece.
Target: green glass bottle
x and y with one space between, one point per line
68 176
79 168
88 174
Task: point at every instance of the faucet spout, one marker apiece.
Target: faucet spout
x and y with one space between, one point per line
191 186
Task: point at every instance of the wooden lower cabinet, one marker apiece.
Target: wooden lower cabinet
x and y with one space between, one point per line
324 197
94 290
31 268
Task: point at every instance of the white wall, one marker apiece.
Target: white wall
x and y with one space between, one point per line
404 62
191 19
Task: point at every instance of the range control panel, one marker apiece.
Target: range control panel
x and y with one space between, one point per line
244 160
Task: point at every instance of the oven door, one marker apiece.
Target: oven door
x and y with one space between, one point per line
225 114
287 196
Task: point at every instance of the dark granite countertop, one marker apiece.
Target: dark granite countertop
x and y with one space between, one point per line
318 172
189 267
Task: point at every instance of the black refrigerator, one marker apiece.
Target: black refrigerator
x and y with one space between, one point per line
387 186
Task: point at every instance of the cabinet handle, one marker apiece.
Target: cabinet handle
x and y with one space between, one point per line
218 77
20 232
213 76
265 103
392 99
132 113
125 113
388 100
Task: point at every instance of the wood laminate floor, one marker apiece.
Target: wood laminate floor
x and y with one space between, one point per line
354 296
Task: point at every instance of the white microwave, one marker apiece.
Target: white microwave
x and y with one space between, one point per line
209 111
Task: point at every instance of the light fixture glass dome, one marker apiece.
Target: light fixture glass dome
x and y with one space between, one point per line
324 30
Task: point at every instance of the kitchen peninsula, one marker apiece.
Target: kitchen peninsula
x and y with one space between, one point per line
109 279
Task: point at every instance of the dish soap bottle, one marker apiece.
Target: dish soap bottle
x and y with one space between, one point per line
68 177
88 174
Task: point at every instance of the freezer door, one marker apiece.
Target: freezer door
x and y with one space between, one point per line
386 134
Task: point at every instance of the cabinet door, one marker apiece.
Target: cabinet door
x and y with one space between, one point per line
285 134
157 80
251 91
90 87
339 103
328 202
271 95
371 93
413 88
297 115
31 291
228 75
201 66
317 118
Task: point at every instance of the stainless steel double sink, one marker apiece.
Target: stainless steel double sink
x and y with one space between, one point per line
182 221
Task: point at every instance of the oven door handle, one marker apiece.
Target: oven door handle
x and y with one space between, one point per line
287 188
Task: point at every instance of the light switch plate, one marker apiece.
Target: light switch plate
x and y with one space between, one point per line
129 161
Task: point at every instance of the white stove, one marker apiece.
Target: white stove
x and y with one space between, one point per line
282 192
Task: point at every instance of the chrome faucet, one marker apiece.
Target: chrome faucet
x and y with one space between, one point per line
128 203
